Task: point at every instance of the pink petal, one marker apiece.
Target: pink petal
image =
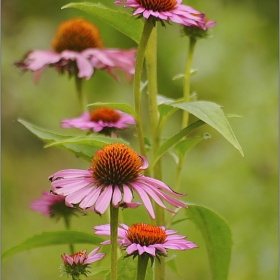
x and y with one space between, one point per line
91 199
104 200
145 200
117 196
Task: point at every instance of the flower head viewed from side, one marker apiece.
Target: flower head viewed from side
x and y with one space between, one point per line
144 238
78 263
165 10
52 205
102 120
78 50
113 176
200 31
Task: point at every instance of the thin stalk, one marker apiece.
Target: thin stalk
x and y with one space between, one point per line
151 66
67 226
114 214
179 174
148 27
185 119
81 94
142 266
187 79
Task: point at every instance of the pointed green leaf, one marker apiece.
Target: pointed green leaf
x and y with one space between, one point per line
52 238
175 139
82 146
99 271
43 134
118 106
93 142
123 22
171 263
217 236
212 114
165 110
185 145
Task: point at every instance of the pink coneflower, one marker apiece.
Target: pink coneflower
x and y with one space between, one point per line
144 238
112 177
52 205
200 31
103 120
78 263
164 10
78 50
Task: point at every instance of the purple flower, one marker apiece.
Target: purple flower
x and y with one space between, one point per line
144 238
165 10
78 50
113 177
52 205
103 120
77 264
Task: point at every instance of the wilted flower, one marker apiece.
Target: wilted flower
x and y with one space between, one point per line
165 10
200 31
52 205
144 238
112 177
78 263
103 120
78 50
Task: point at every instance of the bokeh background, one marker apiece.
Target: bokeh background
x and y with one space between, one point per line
238 69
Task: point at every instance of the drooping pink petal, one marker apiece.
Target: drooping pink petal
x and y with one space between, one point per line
117 196
145 200
104 200
90 200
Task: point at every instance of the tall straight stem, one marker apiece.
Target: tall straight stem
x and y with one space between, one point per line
81 94
148 27
187 89
67 225
114 214
142 266
151 66
187 79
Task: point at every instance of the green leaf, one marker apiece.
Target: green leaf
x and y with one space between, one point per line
45 135
175 139
165 110
217 236
185 145
119 106
212 114
99 271
170 261
181 75
94 142
82 146
126 24
52 238
179 221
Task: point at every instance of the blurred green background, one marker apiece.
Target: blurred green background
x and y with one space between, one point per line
238 69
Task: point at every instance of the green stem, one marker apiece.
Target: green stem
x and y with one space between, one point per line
151 66
67 225
179 174
148 27
187 79
81 94
114 214
142 266
185 120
